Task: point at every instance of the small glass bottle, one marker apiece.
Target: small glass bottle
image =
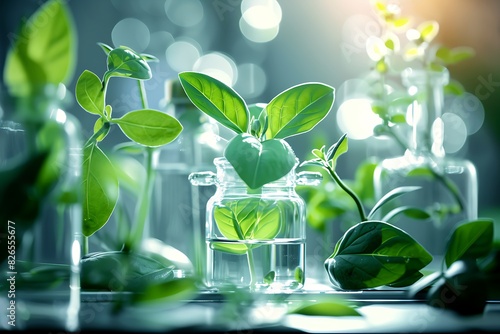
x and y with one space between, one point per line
41 150
255 238
178 209
448 185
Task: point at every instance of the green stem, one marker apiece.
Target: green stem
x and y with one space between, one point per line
251 266
336 178
142 93
144 201
85 247
104 129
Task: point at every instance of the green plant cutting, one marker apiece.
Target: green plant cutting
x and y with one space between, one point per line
131 268
372 253
258 151
375 253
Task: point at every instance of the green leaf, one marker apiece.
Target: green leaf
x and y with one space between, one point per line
248 219
298 274
168 291
327 309
131 174
398 119
428 30
44 50
455 55
234 248
259 163
373 254
454 87
100 189
125 62
149 58
217 100
106 48
149 127
473 239
269 278
412 212
336 150
394 193
89 93
298 109
421 172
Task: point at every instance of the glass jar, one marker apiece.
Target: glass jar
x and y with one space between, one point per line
255 238
448 185
40 190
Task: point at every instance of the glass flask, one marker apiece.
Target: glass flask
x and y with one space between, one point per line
448 185
255 238
178 209
40 190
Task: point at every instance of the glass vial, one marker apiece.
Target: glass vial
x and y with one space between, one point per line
448 185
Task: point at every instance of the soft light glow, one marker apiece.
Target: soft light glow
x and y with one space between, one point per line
356 118
258 35
132 33
261 14
182 55
252 80
413 113
59 115
75 253
455 132
219 66
469 108
185 13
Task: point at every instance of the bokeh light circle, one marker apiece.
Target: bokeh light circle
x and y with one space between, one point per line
261 14
252 80
185 13
455 132
219 66
258 35
469 108
182 55
131 32
356 118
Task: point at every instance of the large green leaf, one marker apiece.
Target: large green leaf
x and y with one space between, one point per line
217 100
44 50
89 93
247 219
470 240
149 127
298 109
373 254
258 163
100 189
125 62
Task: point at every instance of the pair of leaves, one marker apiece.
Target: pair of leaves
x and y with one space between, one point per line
247 219
294 111
373 254
44 51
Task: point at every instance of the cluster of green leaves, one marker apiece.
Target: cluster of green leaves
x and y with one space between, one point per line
258 152
391 105
147 127
372 253
462 285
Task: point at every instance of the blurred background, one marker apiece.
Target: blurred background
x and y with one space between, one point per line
262 47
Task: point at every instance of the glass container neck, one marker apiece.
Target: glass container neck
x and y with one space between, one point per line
427 88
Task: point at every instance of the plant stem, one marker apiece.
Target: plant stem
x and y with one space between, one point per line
85 247
251 266
104 129
142 209
142 93
336 178
144 201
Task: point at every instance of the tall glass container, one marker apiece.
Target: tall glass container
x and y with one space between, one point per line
448 185
178 209
255 238
40 168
